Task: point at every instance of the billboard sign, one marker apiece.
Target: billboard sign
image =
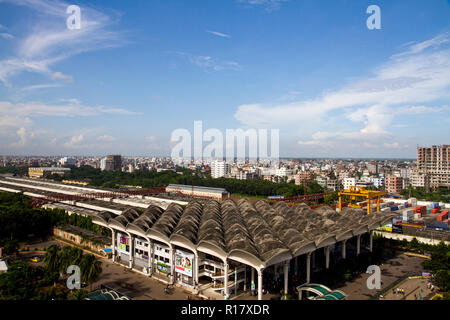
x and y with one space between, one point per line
183 262
162 268
123 246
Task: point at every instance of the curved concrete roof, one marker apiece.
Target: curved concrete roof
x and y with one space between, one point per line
256 234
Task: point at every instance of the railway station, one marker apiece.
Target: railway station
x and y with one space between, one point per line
225 245
221 248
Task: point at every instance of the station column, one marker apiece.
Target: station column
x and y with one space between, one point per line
358 244
344 247
113 246
131 251
172 267
225 279
260 283
196 273
308 267
286 276
371 241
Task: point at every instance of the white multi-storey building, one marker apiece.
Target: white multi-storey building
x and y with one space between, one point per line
219 169
347 182
283 172
67 161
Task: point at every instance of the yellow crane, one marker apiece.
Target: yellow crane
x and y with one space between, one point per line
360 192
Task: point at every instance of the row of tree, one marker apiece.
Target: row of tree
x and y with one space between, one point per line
152 179
25 282
438 195
19 221
58 260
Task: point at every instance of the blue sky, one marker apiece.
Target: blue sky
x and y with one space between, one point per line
138 70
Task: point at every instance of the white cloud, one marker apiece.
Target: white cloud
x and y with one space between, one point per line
209 63
269 5
35 109
402 85
106 138
219 34
71 101
6 35
60 76
22 133
41 86
392 145
74 142
50 41
16 116
437 41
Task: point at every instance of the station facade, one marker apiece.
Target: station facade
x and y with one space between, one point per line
223 246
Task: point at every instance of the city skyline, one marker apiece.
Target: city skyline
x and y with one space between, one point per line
136 71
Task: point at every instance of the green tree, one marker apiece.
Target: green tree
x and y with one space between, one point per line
78 295
442 279
91 269
11 247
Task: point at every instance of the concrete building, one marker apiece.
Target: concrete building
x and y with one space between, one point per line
332 184
321 181
394 184
377 181
419 179
219 169
46 171
304 177
283 172
196 191
348 182
435 162
373 167
111 163
67 161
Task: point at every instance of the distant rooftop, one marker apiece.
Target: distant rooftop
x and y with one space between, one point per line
51 168
197 188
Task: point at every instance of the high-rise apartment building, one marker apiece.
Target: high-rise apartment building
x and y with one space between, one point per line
435 163
372 167
348 182
111 162
394 184
419 179
219 169
303 177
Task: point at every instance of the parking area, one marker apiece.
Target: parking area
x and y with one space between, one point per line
394 269
135 285
118 277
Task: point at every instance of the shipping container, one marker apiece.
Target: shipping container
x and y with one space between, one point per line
441 217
